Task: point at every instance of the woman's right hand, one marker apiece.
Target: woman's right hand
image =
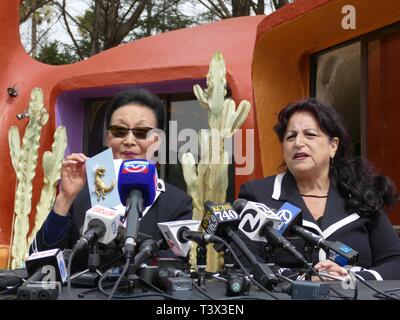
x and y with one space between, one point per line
73 178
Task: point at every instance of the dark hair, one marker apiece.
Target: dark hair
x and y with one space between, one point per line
138 96
363 190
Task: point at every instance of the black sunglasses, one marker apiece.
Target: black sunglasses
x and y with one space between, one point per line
121 132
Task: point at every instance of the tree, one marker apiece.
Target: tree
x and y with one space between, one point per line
108 23
104 25
56 53
223 9
162 16
38 11
28 7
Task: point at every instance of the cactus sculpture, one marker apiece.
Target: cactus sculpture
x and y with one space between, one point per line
24 160
209 180
52 162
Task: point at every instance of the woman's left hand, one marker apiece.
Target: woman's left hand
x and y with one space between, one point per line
330 268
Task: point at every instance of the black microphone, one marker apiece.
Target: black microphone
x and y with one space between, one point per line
279 241
173 272
49 262
266 219
221 220
46 271
147 249
336 251
175 282
96 228
184 234
310 237
100 225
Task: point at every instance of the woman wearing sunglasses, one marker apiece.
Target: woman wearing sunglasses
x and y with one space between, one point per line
130 115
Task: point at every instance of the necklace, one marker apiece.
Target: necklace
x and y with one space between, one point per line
313 196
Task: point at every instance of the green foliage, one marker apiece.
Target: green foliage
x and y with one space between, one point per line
56 53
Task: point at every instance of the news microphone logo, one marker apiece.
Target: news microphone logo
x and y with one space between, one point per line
109 217
287 213
135 167
253 217
216 215
50 262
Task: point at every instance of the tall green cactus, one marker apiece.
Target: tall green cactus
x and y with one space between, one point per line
209 180
24 160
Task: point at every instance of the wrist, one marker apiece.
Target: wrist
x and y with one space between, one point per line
63 204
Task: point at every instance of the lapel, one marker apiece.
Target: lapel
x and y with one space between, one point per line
160 188
335 217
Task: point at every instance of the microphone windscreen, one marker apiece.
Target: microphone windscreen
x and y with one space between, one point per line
239 204
137 174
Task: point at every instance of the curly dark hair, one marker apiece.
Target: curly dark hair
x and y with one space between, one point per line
363 190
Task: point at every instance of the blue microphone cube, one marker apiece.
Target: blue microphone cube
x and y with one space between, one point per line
137 174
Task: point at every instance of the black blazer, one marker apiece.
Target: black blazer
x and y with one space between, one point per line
172 204
373 237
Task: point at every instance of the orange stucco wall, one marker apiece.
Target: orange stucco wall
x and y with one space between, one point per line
285 41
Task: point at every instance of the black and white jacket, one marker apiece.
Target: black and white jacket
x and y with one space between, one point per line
373 237
171 204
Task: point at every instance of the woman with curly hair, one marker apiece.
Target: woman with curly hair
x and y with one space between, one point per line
340 197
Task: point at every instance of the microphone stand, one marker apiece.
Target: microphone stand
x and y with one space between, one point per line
89 277
269 250
201 257
308 250
228 262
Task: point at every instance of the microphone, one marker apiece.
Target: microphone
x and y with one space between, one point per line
287 213
252 220
178 235
336 251
310 237
173 272
264 227
221 220
137 181
48 262
101 225
46 272
147 249
175 283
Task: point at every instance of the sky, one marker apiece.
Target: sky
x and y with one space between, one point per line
57 31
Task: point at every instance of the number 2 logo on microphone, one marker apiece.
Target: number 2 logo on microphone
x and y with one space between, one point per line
135 167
